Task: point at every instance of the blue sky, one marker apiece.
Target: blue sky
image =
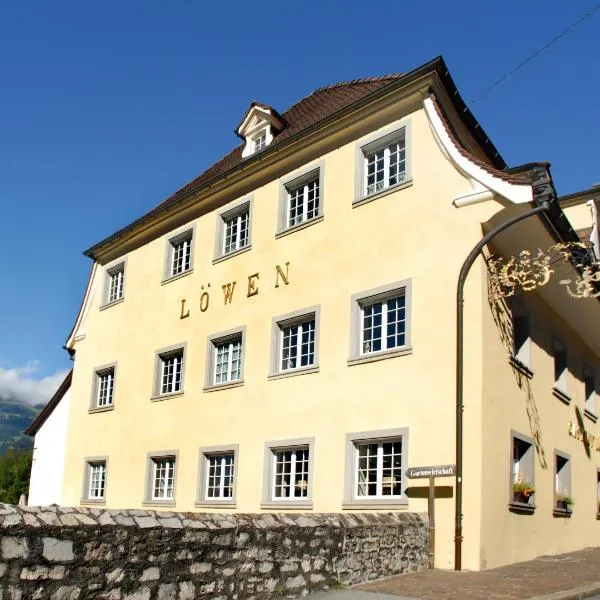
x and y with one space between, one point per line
107 108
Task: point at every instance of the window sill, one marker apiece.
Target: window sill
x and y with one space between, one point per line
293 372
237 252
165 396
158 503
223 386
520 508
365 199
561 513
591 416
101 409
288 505
109 304
283 232
521 367
381 355
92 501
561 395
376 504
215 504
178 276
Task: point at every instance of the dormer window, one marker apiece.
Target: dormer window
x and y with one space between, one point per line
258 128
259 141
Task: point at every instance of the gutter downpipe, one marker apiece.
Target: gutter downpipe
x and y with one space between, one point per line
543 206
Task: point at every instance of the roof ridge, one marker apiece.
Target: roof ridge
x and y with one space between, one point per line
387 77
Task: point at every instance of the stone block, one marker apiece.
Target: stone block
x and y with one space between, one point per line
115 576
57 550
293 583
187 590
171 523
198 568
150 574
14 547
166 591
141 594
38 572
66 592
146 522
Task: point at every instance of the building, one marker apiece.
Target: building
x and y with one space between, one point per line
279 334
49 432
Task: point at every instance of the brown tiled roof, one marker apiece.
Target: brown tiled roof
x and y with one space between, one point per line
322 103
52 404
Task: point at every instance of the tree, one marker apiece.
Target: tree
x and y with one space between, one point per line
15 469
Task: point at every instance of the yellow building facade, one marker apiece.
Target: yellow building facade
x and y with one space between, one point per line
280 334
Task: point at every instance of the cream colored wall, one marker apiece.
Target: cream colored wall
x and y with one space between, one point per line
412 233
579 215
528 406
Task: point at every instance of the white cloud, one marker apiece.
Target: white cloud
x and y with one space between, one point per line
21 383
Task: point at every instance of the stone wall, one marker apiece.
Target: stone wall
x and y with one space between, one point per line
78 553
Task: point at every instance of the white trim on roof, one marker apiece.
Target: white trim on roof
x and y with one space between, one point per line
76 334
515 193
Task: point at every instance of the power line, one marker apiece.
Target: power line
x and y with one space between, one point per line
536 53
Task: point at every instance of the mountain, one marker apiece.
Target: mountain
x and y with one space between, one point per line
15 417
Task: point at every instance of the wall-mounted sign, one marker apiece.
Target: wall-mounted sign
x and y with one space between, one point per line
282 277
589 439
431 471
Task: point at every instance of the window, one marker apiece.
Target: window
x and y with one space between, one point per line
179 254
521 340
295 343
288 473
301 200
161 481
94 481
259 141
598 493
380 323
560 370
562 483
233 230
217 475
114 285
382 164
589 383
103 389
375 466
225 359
522 475
169 371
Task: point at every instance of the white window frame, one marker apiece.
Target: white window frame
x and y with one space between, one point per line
589 390
562 478
259 141
90 463
293 182
99 372
206 455
153 460
110 271
161 356
382 140
353 442
560 357
214 341
367 298
521 338
522 469
294 319
271 448
184 235
233 212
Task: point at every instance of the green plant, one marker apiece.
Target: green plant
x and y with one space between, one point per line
523 487
564 500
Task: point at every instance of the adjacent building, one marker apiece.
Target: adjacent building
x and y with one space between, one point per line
279 335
